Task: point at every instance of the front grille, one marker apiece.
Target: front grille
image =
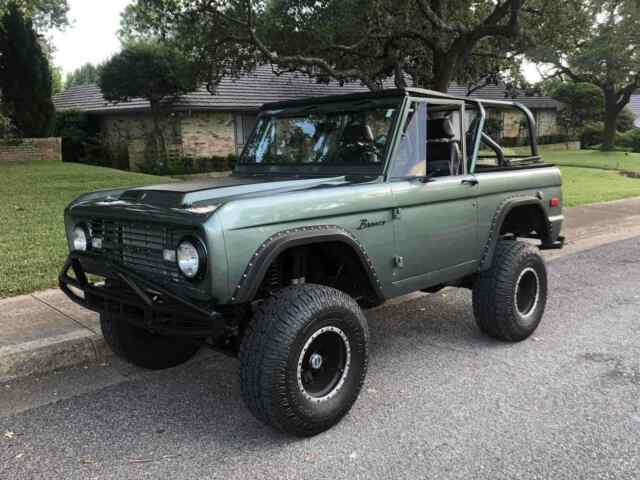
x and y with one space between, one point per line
139 247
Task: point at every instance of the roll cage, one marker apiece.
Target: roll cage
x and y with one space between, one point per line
475 135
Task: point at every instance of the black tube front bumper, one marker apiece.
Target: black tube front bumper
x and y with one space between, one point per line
136 300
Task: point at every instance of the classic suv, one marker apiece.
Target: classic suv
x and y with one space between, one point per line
336 204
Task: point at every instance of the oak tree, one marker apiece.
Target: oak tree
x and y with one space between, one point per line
601 46
427 42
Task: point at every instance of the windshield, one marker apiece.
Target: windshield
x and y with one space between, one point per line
338 135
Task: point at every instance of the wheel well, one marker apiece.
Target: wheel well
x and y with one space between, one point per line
333 264
526 221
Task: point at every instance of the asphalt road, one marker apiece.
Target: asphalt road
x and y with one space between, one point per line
440 401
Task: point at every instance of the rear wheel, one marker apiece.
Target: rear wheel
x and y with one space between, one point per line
303 359
143 348
509 299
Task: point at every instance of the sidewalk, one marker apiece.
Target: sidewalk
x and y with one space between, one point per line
45 331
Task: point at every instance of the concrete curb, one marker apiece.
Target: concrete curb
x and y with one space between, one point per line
48 354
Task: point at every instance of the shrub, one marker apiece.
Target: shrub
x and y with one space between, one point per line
630 140
190 166
552 139
7 128
625 121
80 135
591 134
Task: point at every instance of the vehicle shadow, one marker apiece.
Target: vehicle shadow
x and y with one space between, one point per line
198 406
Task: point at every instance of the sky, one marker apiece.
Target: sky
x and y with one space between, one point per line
92 35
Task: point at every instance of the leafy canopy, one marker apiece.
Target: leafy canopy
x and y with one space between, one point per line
582 103
25 76
432 41
87 74
151 70
601 46
44 13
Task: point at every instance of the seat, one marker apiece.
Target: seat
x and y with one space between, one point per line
443 151
356 145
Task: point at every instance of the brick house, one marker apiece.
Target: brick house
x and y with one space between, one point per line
201 125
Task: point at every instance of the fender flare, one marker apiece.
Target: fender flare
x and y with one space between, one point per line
499 217
256 269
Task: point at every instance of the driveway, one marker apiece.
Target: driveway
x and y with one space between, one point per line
440 401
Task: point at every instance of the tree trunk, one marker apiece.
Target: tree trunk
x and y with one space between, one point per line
610 118
160 144
609 137
443 68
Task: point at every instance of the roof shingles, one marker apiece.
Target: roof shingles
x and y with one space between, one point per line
249 92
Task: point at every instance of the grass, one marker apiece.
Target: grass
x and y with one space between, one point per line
33 196
595 159
591 185
591 176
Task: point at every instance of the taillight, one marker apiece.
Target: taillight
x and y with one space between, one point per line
554 202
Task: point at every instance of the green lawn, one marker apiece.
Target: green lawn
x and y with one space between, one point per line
32 200
595 159
591 185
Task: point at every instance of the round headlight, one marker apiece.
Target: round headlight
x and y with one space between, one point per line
190 258
80 239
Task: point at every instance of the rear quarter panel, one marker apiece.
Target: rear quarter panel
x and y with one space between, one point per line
497 187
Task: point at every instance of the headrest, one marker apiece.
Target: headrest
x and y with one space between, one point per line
438 128
357 132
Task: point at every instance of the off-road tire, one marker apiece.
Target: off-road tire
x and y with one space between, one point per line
145 349
272 353
500 299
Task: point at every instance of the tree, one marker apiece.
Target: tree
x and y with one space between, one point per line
44 13
368 41
87 74
602 47
57 85
156 72
25 76
581 103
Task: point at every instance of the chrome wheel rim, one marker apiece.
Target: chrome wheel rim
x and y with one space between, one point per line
323 364
527 293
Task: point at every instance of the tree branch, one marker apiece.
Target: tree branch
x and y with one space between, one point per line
298 62
437 21
491 25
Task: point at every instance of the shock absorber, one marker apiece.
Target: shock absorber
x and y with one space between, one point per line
273 278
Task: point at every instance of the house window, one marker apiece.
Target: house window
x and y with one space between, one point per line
244 124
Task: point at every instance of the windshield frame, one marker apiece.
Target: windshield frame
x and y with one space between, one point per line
319 169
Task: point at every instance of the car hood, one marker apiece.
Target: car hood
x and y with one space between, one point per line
197 198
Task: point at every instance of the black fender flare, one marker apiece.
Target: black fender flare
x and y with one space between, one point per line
256 269
499 217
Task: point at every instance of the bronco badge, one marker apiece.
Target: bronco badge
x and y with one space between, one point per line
365 223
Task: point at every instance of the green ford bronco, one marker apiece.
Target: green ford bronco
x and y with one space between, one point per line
336 204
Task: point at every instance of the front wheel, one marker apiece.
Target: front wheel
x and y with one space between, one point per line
143 348
509 299
303 359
